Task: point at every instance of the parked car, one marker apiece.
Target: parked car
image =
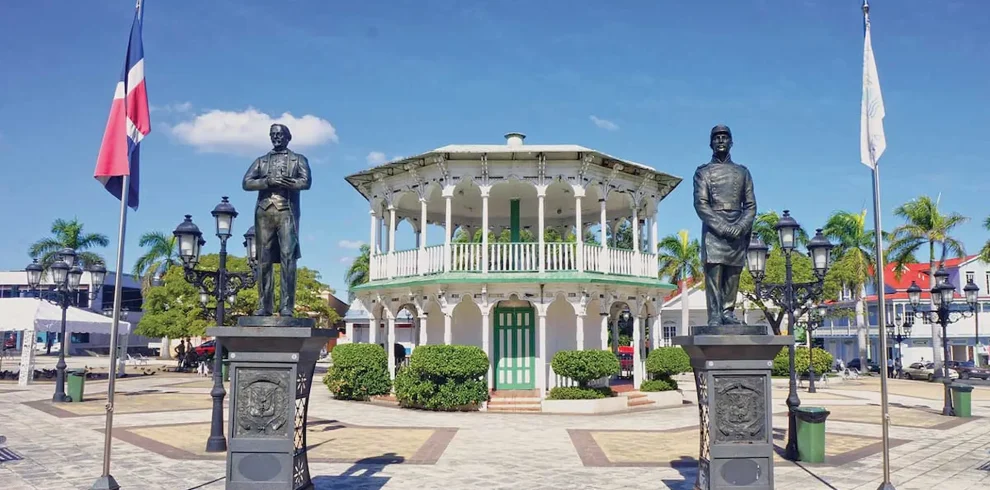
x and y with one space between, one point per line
855 364
967 369
206 349
926 370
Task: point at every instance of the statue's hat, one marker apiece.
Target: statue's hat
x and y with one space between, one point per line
721 129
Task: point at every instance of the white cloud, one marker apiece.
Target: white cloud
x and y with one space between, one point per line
178 107
604 123
247 131
355 244
346 260
376 158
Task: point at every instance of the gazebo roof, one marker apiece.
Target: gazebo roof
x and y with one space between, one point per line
507 152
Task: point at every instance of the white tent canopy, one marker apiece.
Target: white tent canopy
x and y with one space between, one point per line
27 314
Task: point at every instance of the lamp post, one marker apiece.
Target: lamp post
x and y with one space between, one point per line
943 295
814 322
897 332
790 296
222 285
66 274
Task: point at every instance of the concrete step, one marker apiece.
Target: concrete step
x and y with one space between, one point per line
516 409
637 399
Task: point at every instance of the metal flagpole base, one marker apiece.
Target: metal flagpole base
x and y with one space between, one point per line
886 486
105 482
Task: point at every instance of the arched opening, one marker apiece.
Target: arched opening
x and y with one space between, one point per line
466 327
513 347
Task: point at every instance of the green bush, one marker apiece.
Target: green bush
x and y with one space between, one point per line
781 363
660 384
359 372
584 366
443 377
667 361
578 393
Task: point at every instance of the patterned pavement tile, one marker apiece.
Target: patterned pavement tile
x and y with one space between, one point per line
899 415
126 402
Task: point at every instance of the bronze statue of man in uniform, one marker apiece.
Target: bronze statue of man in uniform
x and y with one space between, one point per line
278 176
724 200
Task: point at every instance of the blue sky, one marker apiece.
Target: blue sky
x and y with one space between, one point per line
397 77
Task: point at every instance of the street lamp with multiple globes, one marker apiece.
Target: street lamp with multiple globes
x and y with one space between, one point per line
943 295
815 321
790 296
222 285
897 332
66 275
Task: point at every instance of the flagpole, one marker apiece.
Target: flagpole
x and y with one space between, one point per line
879 272
106 481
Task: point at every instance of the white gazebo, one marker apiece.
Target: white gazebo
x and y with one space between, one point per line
32 315
510 289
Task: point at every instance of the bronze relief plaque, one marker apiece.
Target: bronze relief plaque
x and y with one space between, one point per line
740 409
262 403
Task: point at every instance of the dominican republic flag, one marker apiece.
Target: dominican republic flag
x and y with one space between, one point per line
128 124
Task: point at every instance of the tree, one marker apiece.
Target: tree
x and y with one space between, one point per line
360 270
985 251
856 249
173 309
161 254
775 272
680 259
926 225
69 234
765 228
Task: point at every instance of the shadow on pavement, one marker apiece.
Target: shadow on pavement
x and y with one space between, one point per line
363 474
688 468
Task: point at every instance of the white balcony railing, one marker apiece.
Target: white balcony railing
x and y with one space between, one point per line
513 257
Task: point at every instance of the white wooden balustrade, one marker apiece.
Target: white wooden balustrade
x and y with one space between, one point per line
556 380
513 257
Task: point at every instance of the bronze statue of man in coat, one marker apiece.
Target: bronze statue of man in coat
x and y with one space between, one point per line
724 200
278 176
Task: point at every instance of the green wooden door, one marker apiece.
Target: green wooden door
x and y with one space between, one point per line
515 349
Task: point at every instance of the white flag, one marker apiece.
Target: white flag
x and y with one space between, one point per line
872 142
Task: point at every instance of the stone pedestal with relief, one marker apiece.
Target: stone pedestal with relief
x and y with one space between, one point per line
732 366
272 360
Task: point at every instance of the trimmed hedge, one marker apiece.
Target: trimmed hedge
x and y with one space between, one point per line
578 393
668 361
359 372
781 363
660 384
444 378
585 366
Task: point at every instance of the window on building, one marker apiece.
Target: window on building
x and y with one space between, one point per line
970 277
988 283
669 332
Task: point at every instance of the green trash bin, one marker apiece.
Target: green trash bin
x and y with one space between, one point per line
76 381
962 396
225 370
811 433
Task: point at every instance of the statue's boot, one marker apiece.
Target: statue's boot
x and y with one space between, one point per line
262 312
730 319
714 322
285 312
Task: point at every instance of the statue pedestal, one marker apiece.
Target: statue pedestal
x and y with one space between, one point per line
271 370
732 373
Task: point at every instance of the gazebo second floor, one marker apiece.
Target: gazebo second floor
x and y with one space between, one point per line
514 208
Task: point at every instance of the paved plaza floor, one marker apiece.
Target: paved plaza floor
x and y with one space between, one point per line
162 422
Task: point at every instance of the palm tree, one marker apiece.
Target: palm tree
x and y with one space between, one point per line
765 228
985 251
856 246
162 253
360 270
925 224
69 234
680 258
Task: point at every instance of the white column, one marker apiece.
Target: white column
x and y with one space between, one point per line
655 331
448 193
604 333
25 376
485 190
373 243
486 341
637 352
579 323
448 333
541 194
373 329
422 337
541 361
121 358
603 239
578 231
653 234
615 334
389 345
391 242
423 259
349 332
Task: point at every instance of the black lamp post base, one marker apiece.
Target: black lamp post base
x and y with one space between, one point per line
216 444
105 483
61 398
886 486
271 372
732 375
